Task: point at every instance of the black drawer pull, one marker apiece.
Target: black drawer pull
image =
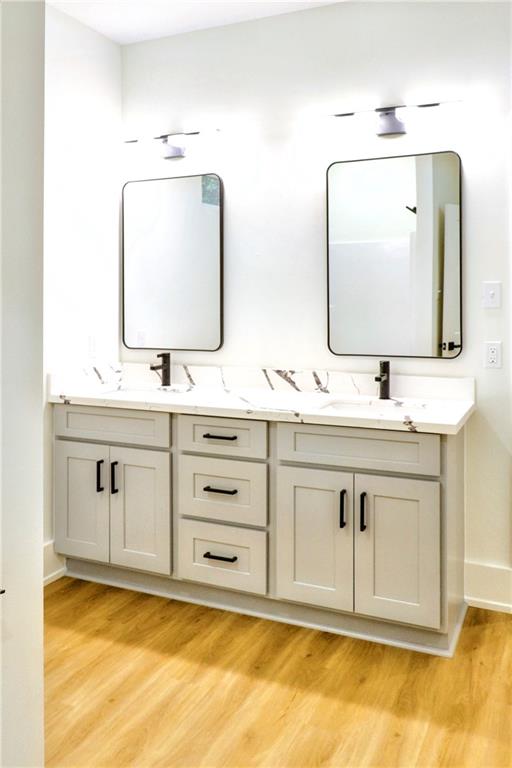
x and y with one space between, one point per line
209 436
113 488
342 508
210 489
99 487
209 556
362 512
2 591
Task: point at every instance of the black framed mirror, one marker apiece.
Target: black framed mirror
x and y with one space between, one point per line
394 266
172 257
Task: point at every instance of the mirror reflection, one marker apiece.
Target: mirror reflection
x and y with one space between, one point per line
172 263
394 277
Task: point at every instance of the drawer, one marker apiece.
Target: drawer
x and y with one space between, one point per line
113 425
244 567
406 452
229 437
222 489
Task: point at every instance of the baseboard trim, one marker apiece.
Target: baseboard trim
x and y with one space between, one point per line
488 586
54 564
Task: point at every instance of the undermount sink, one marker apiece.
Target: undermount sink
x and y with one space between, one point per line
362 402
174 389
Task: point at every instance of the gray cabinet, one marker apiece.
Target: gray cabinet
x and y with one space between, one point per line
397 555
140 515
351 530
82 501
315 537
112 505
357 542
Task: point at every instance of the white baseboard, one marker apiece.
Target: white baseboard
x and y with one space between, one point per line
54 564
488 586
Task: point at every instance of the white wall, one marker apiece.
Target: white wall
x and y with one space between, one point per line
269 86
82 188
21 404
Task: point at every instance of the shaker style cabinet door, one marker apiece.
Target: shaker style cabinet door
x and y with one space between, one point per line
140 512
397 549
315 537
82 500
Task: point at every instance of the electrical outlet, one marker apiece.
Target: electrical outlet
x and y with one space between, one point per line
492 354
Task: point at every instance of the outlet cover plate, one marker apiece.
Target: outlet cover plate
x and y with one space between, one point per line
492 354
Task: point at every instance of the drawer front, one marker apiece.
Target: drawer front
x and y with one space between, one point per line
113 425
222 489
405 452
244 553
227 437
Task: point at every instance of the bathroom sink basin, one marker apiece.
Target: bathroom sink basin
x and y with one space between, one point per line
174 389
362 402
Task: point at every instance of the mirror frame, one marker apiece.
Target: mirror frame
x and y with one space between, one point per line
221 266
461 317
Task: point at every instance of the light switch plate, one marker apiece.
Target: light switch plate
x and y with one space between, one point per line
492 357
491 295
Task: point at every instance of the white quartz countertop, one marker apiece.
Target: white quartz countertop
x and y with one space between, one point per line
435 414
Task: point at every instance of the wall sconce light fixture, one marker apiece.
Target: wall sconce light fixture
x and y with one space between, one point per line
171 150
388 122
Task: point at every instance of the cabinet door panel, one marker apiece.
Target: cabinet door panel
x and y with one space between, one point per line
397 557
81 509
314 553
140 511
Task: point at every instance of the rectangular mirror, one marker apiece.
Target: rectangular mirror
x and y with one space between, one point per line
394 256
172 263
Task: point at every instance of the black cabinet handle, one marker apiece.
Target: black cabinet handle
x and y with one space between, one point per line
2 591
362 512
209 556
209 436
113 488
342 508
210 489
99 487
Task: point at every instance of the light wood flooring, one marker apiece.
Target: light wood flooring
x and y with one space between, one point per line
141 681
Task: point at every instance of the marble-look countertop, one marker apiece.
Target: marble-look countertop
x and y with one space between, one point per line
419 404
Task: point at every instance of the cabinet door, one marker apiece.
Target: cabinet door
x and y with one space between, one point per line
81 500
397 549
315 537
140 509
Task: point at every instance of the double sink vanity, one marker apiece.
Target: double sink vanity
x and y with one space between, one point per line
317 498
286 495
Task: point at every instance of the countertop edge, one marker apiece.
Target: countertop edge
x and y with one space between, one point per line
296 417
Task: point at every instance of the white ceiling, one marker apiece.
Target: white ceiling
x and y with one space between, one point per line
131 21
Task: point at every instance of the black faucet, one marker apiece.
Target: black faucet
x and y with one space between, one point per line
383 379
165 367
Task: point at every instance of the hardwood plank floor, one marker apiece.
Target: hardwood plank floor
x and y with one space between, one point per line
141 681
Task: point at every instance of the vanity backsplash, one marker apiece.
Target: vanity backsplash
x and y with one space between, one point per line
136 376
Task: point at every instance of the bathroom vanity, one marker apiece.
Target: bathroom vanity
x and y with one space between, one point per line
334 511
301 497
